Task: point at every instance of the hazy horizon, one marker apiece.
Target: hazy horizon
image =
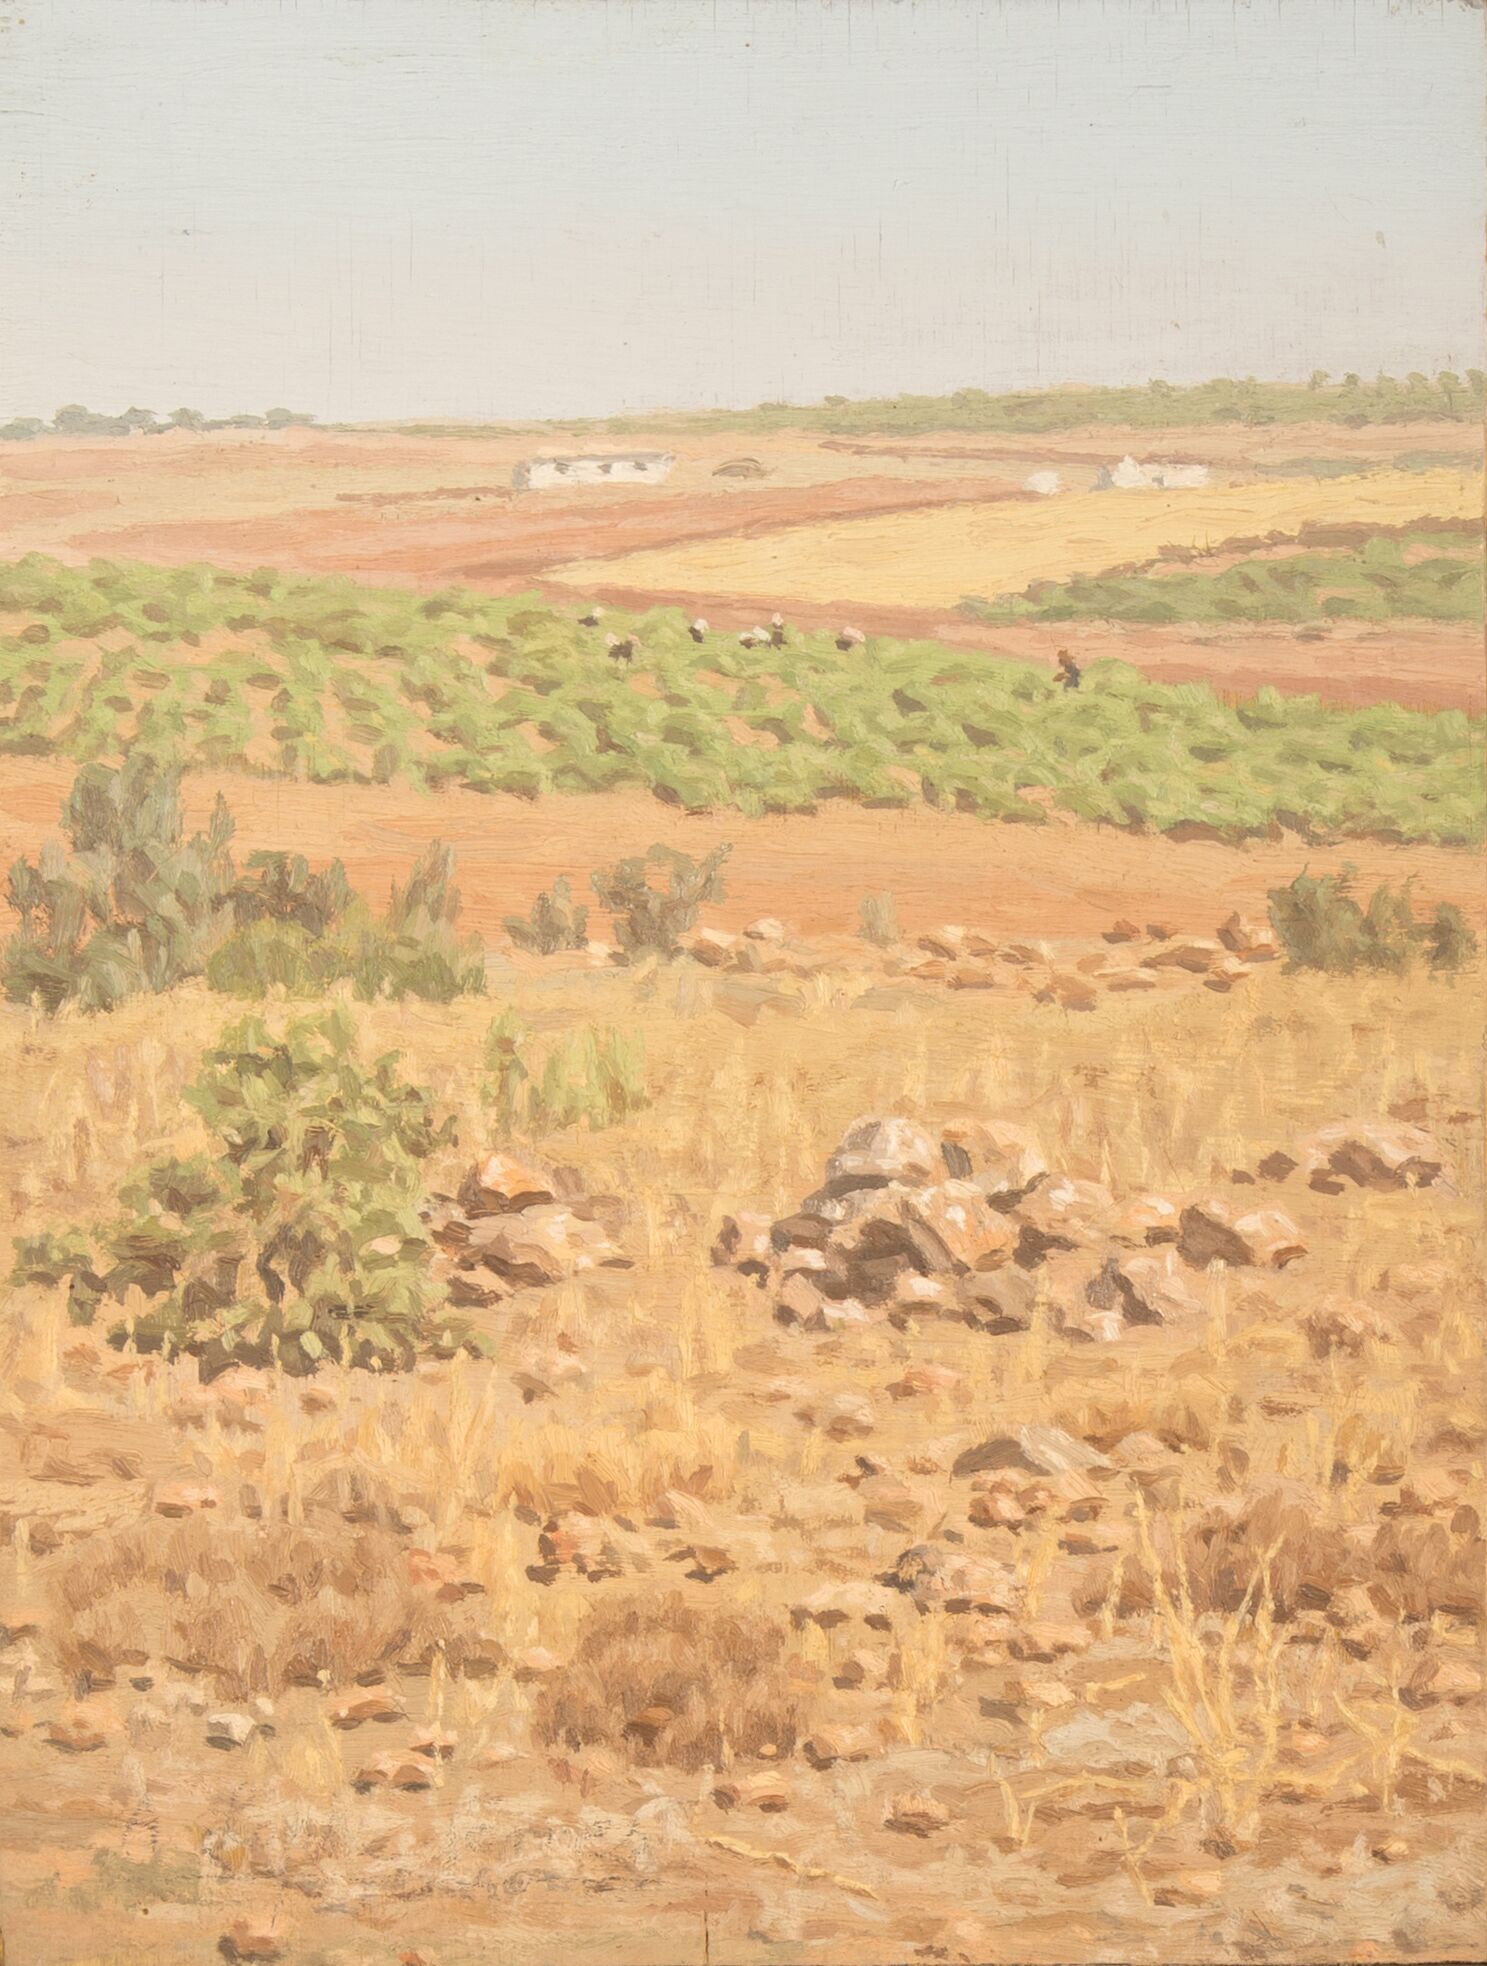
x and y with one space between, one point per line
513 210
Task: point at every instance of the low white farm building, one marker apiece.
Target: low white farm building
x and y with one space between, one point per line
1044 483
1128 475
593 468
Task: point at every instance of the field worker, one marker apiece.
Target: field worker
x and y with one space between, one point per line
1068 670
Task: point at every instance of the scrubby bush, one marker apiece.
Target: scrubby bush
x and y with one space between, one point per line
297 1237
651 918
1321 925
137 907
593 1077
554 923
877 920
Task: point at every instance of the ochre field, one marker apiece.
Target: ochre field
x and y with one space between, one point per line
933 559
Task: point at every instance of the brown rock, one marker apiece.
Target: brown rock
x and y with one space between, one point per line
925 1382
801 1302
1148 1219
1373 1154
500 1185
1225 974
1000 1302
358 1708
544 1245
947 942
1041 1643
1255 941
1152 1291
250 1938
1037 1450
1069 991
1189 1887
832 1744
1004 1161
956 1228
178 1498
713 947
1343 1325
1063 1214
743 1241
1191 953
1216 1232
395 1771
1122 931
916 1813
75 1733
877 1150
767 1792
1443 1676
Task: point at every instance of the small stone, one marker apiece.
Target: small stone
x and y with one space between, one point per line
230 1730
1122 931
358 1708
248 1938
766 929
501 1185
75 1734
179 1498
1214 1232
1255 941
1189 1887
916 1813
394 1771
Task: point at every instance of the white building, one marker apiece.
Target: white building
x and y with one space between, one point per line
593 468
1128 475
1044 483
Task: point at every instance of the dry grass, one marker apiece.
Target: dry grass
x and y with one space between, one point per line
1236 1687
934 559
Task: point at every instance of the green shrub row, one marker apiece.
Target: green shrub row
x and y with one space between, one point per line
328 681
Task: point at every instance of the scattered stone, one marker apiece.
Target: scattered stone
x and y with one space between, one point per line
1122 931
1152 1291
230 1730
744 1241
832 1744
1429 1491
1039 1644
1225 974
395 1771
1389 1850
499 1185
1215 1232
925 1382
1038 1450
1255 941
437 1573
1158 932
1443 1676
767 1792
766 929
999 1303
839 1604
1189 1887
875 1151
1191 953
801 1303
1005 1162
1062 1214
433 1743
179 1498
358 1708
714 947
916 1813
75 1734
846 1416
955 1228
545 1244
1043 1695
1069 991
1373 1154
1148 1219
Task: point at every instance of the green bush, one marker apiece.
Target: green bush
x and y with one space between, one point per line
554 923
651 918
137 907
594 1077
1321 925
298 1237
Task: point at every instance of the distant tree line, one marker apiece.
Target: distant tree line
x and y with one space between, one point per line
75 420
1346 399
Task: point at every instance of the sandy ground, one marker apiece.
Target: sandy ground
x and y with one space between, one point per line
812 871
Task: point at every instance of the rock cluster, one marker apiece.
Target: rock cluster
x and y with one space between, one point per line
970 1223
511 1227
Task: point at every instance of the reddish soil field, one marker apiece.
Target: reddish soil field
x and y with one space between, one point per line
810 871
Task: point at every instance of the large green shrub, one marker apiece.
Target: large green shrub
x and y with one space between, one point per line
136 908
554 924
298 1237
1322 925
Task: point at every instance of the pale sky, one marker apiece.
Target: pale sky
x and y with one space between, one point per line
506 208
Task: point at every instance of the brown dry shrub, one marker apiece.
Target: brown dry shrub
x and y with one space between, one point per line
256 1606
672 1684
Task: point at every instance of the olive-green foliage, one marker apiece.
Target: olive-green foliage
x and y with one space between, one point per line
136 908
1156 405
1377 582
593 1077
140 908
1323 926
298 1237
554 923
649 918
331 681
